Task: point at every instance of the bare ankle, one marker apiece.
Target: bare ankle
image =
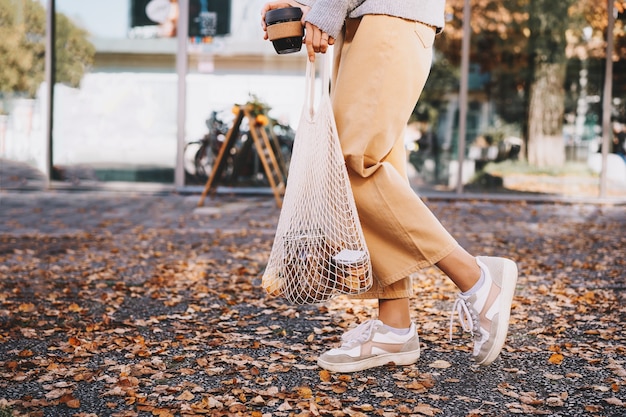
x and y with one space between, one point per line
395 313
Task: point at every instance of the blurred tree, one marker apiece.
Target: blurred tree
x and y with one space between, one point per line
23 48
524 46
499 42
441 83
548 23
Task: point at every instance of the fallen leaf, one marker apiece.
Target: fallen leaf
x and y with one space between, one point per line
325 375
304 392
556 358
185 396
614 401
440 364
26 307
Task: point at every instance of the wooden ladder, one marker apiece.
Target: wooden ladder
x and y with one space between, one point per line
267 150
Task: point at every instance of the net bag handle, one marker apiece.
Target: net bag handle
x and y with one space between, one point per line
309 93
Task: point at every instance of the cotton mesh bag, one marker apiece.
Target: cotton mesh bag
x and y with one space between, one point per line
319 250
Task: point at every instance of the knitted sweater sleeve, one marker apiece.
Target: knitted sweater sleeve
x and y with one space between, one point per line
329 15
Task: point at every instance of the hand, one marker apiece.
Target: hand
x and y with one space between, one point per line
279 5
316 40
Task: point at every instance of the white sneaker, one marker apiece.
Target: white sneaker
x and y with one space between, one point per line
486 313
369 345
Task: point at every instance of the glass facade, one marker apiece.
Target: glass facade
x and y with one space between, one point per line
535 106
120 124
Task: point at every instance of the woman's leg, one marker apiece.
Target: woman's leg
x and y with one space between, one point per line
377 81
461 268
381 66
395 312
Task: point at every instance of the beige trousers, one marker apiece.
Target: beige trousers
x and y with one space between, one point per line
380 67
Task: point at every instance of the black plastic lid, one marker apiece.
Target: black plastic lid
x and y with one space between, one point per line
284 14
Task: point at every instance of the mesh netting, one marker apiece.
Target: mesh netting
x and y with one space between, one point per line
319 250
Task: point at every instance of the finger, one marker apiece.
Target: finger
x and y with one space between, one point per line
308 41
317 40
275 5
324 42
266 8
271 6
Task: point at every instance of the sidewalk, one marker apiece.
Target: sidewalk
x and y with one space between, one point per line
18 176
143 304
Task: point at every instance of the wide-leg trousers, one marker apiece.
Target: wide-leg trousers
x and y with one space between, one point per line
381 64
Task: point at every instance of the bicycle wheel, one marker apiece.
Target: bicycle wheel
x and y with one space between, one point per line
204 160
189 157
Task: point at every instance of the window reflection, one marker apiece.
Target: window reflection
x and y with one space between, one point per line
120 124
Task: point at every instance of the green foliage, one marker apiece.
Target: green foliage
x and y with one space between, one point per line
256 105
16 54
23 48
74 54
442 81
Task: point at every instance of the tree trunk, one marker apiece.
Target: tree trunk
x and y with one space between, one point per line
547 108
548 21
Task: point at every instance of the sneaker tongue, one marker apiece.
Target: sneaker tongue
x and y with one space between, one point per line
360 333
349 344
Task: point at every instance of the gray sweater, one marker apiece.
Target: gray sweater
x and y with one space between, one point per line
329 15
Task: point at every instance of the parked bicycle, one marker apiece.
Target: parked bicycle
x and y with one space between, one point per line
199 155
242 160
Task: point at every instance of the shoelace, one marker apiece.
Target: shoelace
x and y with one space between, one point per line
360 333
466 318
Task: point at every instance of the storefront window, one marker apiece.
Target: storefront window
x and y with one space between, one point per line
119 124
231 67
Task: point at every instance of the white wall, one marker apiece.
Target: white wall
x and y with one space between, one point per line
130 118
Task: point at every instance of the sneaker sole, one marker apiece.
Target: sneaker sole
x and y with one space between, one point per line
405 358
509 282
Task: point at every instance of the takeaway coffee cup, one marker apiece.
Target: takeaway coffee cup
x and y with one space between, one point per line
284 29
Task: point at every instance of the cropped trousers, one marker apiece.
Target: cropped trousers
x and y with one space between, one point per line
381 64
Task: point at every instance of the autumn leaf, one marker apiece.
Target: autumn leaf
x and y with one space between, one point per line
55 394
25 353
74 341
185 396
70 401
415 386
304 392
26 307
74 308
615 401
440 364
426 410
556 358
162 412
325 376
